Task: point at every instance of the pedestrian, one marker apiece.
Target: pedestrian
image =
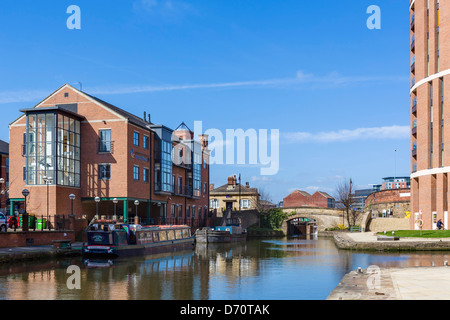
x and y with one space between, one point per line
440 225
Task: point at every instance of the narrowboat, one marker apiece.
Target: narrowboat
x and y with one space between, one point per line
229 231
109 238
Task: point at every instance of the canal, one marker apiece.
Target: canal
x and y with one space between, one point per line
273 269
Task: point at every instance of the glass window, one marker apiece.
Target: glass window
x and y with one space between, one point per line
104 171
146 174
136 173
146 142
136 138
104 143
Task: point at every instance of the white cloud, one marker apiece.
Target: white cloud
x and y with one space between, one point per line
300 81
392 132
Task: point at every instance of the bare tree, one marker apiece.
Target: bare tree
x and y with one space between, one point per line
346 200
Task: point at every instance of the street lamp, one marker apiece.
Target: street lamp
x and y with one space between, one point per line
71 197
25 193
115 201
97 200
136 203
2 182
47 181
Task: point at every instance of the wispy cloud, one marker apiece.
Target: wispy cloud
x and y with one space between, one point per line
392 132
300 81
166 9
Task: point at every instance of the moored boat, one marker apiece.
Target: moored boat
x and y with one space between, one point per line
109 238
229 231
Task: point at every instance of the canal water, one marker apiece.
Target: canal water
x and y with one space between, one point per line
274 269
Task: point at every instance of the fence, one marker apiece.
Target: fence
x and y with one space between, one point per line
43 223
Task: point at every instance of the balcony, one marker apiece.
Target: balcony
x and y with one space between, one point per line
105 147
413 82
413 43
413 63
414 167
414 105
413 20
414 127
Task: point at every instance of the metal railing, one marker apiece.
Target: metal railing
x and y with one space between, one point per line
41 223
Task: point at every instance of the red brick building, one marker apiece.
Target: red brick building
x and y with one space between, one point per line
430 117
304 199
4 175
90 148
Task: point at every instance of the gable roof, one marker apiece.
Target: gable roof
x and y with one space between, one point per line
4 147
326 195
116 110
131 117
222 190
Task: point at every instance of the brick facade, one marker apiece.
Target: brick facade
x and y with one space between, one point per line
430 118
303 199
123 157
397 201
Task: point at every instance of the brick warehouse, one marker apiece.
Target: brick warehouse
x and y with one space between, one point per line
91 149
430 119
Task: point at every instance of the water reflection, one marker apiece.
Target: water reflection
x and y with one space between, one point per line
289 269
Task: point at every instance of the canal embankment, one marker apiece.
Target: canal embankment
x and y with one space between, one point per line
371 241
36 253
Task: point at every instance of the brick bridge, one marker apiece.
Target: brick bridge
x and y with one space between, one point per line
325 217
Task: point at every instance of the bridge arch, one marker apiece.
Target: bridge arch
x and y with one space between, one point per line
324 217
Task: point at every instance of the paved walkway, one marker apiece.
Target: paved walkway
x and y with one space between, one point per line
412 283
418 283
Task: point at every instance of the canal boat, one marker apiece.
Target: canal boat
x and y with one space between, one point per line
229 231
110 238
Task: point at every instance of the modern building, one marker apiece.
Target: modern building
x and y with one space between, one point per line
390 183
75 144
234 196
300 198
359 198
430 119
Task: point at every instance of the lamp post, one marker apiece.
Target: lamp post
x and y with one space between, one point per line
47 181
136 203
115 201
2 182
71 197
25 193
97 200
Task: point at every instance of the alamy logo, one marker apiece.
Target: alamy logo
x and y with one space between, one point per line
374 21
374 280
74 21
74 280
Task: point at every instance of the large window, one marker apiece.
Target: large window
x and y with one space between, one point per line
136 173
52 149
104 143
136 138
197 170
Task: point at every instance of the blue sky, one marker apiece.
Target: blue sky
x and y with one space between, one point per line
337 91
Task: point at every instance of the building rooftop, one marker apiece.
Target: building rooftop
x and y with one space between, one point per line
4 147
